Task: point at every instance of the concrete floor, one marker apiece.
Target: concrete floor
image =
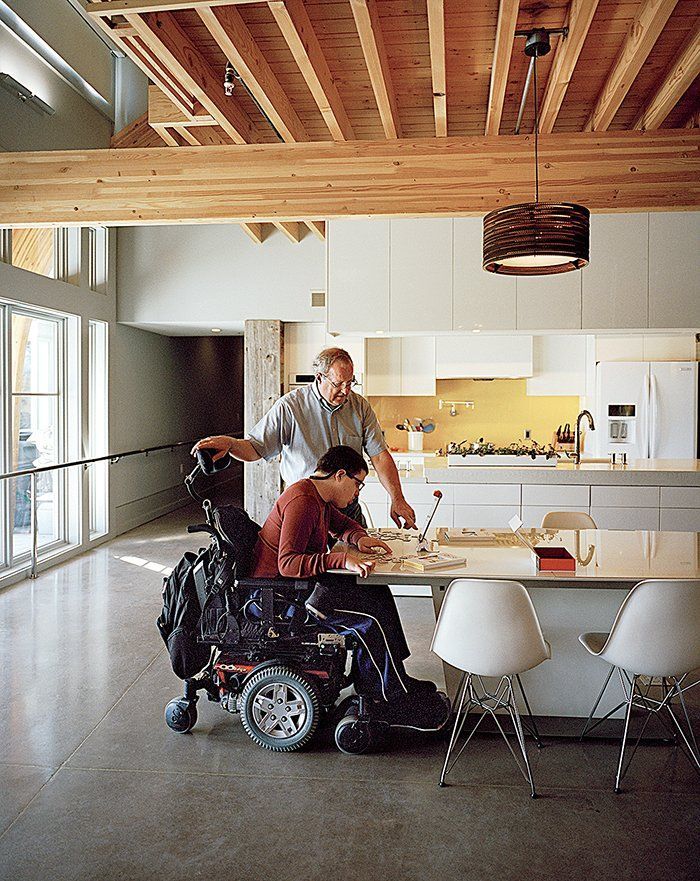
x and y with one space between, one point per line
93 784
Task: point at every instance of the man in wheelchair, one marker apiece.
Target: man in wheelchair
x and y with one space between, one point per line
293 543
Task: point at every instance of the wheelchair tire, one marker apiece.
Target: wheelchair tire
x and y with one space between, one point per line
280 708
353 736
181 715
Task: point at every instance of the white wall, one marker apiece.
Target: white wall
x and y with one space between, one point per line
217 276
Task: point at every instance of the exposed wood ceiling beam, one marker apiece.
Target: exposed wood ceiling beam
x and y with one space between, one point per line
119 7
167 40
165 135
162 111
290 228
186 135
370 33
502 50
674 85
608 171
295 25
643 33
236 42
436 31
579 20
318 228
256 231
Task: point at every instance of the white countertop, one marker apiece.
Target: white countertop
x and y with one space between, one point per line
640 472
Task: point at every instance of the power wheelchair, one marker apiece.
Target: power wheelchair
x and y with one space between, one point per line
270 661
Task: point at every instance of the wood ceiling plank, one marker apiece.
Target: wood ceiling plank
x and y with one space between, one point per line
674 85
370 33
502 51
639 42
436 29
295 25
231 33
167 40
290 228
607 171
579 20
138 7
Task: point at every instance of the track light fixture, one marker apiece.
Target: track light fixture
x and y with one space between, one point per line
229 79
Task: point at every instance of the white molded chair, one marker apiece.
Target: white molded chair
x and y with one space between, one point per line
489 628
655 635
568 520
364 507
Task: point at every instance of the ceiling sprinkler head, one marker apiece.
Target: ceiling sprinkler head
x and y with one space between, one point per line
229 79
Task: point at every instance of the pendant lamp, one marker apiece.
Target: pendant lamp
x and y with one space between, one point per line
536 238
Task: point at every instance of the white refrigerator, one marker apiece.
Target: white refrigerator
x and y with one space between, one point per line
647 409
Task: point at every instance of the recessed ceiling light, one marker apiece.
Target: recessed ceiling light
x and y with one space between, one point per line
216 330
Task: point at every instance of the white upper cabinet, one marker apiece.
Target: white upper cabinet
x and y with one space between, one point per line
481 356
420 274
615 283
549 302
358 275
482 300
559 365
674 269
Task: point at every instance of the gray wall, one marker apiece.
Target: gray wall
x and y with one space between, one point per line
214 275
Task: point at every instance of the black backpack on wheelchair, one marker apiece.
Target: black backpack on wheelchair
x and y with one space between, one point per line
250 644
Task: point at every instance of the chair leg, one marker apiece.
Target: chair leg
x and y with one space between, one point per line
692 748
624 733
595 706
517 724
531 725
459 724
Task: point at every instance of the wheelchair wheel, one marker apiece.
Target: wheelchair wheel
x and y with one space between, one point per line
353 736
181 715
280 708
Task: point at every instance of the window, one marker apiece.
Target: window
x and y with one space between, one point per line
35 250
98 428
97 259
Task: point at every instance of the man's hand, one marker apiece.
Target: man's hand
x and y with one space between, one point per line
368 544
401 509
222 443
359 567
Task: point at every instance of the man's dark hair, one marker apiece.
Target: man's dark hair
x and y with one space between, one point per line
341 458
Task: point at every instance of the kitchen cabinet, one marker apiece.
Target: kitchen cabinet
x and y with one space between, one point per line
674 269
557 497
477 355
482 516
559 365
400 366
549 302
615 283
358 275
481 300
420 274
533 515
626 518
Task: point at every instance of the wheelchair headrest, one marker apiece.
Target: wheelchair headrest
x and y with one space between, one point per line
210 466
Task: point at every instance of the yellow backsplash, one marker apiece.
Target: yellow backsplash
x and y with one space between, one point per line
502 411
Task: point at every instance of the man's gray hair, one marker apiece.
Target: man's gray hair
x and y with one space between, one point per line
325 359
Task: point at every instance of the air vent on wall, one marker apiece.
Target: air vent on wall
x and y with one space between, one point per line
318 298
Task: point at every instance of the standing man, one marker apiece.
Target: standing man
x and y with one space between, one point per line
306 422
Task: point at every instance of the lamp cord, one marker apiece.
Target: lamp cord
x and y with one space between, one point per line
537 126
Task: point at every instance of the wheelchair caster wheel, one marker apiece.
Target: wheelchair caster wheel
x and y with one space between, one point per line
181 715
353 736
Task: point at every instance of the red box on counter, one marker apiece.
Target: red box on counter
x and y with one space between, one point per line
554 559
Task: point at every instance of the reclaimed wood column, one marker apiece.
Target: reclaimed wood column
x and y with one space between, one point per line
263 382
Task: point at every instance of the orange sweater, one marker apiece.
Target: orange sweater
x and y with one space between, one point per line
294 538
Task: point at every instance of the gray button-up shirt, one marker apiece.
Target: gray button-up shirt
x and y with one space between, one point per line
302 426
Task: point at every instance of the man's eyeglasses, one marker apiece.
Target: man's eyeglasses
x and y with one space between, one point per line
360 483
341 386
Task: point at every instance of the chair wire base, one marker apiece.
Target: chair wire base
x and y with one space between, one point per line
637 690
473 694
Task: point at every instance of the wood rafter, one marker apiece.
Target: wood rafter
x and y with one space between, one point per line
167 40
317 227
608 171
255 231
297 30
502 50
436 31
162 111
370 33
236 42
186 135
290 228
677 80
166 136
579 20
642 35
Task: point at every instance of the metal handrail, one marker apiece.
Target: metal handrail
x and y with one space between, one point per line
113 458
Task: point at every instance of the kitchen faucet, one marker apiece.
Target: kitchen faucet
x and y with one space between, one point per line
577 445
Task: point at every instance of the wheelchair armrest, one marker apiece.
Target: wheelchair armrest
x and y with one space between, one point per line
281 585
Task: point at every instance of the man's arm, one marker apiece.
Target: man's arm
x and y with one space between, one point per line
242 450
388 476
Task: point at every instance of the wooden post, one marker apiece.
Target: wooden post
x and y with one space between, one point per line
263 375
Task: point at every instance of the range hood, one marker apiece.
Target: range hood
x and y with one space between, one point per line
483 356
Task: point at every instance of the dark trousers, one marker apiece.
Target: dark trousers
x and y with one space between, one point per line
369 615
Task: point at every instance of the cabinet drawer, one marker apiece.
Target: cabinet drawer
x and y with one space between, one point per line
626 518
484 516
680 519
487 494
559 497
680 496
619 496
422 493
534 514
